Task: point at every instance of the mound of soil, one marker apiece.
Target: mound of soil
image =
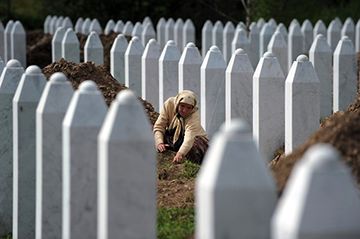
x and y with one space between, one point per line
340 129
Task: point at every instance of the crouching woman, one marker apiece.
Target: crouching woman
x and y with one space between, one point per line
178 129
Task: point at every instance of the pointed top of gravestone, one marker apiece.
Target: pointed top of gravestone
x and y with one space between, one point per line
268 54
127 97
13 63
322 157
319 36
237 126
190 45
152 41
240 51
171 43
33 70
135 39
58 77
345 38
302 58
88 86
214 48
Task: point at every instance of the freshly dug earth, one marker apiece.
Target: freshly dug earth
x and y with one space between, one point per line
341 129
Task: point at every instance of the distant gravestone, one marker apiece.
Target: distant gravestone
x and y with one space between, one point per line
320 28
86 26
148 34
357 36
169 30
268 105
25 101
128 28
279 48
212 88
320 200
46 25
333 34
127 184
345 76
308 33
119 26
281 28
235 196
58 22
254 38
56 44
320 55
109 27
78 25
83 119
228 35
67 23
150 73
302 103
295 44
160 32
49 181
348 29
52 27
168 72
189 32
239 88
7 39
137 30
93 49
178 33
2 41
240 40
9 81
70 46
95 26
117 58
206 37
18 43
133 55
189 71
265 35
217 35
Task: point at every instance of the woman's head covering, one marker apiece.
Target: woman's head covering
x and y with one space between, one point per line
187 97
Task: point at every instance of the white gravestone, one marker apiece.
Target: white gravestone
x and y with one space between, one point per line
52 27
357 36
86 26
272 23
320 200
333 34
345 76
2 41
150 73
279 48
268 105
160 32
189 71
239 88
67 23
7 40
254 38
281 28
189 32
25 101
46 25
80 128
49 116
265 35
240 40
93 49
308 33
348 29
217 35
109 27
133 55
206 37
320 28
128 28
117 58
127 172
9 82
137 30
148 34
320 55
58 22
168 72
260 23
18 43
119 26
78 25
212 88
302 103
178 33
56 48
295 44
70 46
95 26
169 30
228 35
235 196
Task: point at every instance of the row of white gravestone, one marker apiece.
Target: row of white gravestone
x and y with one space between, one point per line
13 42
236 195
60 156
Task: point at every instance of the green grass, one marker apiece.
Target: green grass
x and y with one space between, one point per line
175 223
189 171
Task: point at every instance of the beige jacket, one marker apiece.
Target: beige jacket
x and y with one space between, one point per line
192 124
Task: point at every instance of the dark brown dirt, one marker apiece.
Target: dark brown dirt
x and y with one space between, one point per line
342 129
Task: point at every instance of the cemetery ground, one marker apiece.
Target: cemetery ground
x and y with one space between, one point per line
176 183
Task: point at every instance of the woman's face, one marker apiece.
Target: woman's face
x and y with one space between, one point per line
184 109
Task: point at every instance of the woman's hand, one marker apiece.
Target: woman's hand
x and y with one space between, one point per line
179 158
162 147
